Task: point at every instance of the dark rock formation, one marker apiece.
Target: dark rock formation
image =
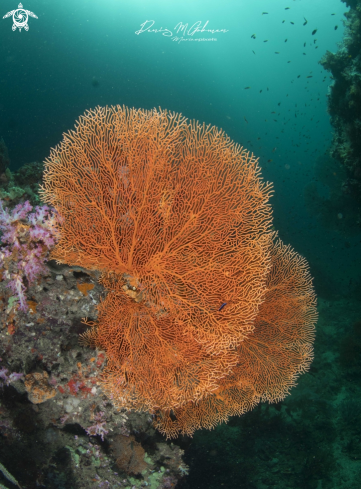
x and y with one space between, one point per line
344 100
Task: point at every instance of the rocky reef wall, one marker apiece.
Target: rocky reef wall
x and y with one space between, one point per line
344 99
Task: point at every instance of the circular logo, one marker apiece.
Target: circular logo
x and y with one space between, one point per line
20 18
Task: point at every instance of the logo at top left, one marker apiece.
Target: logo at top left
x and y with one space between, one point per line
20 18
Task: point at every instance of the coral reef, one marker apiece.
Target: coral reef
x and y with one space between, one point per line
310 439
344 101
41 360
48 383
206 314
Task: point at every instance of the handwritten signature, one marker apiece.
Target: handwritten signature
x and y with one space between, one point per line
180 28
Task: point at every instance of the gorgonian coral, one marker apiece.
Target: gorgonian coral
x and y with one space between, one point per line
205 314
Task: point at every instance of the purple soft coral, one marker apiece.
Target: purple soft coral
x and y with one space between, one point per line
26 242
98 427
8 379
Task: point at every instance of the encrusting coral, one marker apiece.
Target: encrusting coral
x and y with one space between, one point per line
38 388
205 314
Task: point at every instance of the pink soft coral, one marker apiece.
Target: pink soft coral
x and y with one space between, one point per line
25 244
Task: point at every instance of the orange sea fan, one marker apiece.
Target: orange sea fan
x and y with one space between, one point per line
269 359
177 218
201 245
152 362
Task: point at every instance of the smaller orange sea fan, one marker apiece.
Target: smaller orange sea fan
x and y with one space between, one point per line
269 360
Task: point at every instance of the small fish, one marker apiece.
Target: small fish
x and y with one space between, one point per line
260 91
336 27
258 138
277 52
273 112
292 23
333 14
222 306
264 13
266 40
288 61
267 89
314 41
285 40
310 76
314 32
245 119
304 54
287 8
304 44
279 103
247 88
298 76
253 52
283 21
253 36
274 149
269 161
305 22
